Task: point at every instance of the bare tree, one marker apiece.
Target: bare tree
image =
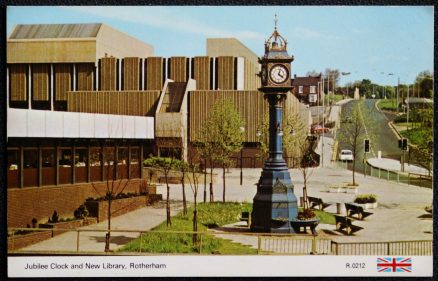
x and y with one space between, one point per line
114 187
195 173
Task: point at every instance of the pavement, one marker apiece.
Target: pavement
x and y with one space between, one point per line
400 213
395 166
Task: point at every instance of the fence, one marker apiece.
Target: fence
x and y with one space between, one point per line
400 177
417 248
263 244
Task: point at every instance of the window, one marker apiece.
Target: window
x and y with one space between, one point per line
313 89
300 89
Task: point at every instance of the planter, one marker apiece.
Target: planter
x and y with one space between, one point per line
20 241
311 223
351 190
99 209
334 189
343 189
367 206
61 227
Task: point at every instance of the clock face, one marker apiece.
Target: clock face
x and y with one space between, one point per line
264 75
279 74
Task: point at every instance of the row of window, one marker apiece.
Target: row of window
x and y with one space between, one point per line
312 89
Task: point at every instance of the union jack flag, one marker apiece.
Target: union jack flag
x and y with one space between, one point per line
394 265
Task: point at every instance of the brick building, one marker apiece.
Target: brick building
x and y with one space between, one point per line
87 103
308 89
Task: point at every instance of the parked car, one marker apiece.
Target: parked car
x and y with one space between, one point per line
346 155
318 129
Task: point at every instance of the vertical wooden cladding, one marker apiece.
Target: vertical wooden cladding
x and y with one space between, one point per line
131 74
136 103
252 81
18 82
154 73
40 82
63 78
201 72
225 73
178 69
250 104
85 76
108 74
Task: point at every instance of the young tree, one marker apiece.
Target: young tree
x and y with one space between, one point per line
165 165
223 132
206 151
353 133
183 168
195 172
113 187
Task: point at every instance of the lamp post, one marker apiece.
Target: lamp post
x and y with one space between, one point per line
242 129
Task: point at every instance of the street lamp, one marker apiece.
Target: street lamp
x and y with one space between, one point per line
242 129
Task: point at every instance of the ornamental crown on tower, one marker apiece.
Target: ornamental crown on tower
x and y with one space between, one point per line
276 45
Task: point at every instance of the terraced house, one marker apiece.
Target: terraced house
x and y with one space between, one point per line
87 103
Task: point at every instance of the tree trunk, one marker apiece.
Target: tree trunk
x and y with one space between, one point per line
223 178
205 180
354 168
168 221
108 234
211 181
184 194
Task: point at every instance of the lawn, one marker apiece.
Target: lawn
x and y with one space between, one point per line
209 214
388 104
417 136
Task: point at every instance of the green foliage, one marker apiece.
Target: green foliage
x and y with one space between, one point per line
81 212
208 214
365 198
222 135
160 162
324 217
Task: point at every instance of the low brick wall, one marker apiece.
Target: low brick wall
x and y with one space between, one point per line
61 227
20 241
24 204
99 209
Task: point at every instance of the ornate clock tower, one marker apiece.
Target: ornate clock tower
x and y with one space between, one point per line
275 203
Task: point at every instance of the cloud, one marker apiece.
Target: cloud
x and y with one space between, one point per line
164 18
312 34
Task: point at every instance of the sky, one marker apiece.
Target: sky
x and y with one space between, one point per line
369 42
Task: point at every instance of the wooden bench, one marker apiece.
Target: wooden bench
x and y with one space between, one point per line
245 217
353 209
317 202
347 223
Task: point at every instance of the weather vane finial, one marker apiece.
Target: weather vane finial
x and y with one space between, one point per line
275 20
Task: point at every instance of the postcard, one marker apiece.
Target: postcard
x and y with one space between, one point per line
219 141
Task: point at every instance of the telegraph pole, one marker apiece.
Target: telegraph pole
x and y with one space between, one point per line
398 87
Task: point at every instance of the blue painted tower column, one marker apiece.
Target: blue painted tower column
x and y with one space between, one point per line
275 203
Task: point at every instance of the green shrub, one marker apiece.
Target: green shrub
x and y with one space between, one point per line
54 218
365 198
81 212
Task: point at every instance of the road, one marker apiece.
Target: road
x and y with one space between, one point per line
381 135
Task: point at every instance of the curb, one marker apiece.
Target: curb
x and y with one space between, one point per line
394 130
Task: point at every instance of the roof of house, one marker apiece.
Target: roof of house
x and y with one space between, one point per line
306 81
53 31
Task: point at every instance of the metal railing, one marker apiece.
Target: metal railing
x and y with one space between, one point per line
263 244
400 177
416 247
